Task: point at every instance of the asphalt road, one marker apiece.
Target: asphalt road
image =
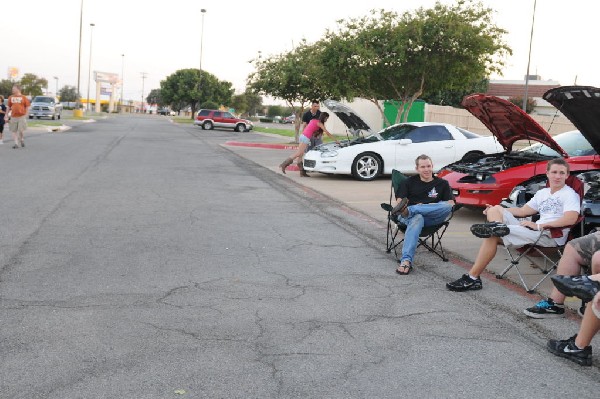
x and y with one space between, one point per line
141 259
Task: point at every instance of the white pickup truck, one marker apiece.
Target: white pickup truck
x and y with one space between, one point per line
45 106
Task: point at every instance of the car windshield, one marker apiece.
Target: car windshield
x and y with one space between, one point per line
396 132
42 100
572 142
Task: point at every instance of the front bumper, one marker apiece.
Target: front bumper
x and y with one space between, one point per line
323 165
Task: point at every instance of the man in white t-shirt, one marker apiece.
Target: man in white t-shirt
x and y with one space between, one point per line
558 206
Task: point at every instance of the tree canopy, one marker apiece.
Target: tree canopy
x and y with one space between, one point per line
388 56
68 94
192 87
32 84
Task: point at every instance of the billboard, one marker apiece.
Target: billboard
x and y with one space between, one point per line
13 73
106 77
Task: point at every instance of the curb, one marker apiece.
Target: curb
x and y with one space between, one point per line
263 145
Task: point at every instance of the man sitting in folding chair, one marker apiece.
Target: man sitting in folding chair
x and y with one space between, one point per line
422 200
558 206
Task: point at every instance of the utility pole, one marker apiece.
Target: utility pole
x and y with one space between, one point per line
122 79
78 104
144 75
524 107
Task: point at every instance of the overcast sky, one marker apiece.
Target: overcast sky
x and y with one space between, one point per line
160 37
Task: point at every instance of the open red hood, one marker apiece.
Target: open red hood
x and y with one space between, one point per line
508 122
581 104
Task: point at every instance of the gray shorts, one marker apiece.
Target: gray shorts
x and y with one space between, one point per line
18 124
586 246
521 235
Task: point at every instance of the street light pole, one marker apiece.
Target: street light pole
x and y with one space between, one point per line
524 107
144 74
122 79
203 11
56 94
90 66
79 60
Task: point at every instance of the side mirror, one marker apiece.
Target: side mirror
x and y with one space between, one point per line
404 141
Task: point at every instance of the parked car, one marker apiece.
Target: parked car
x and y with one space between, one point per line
289 119
166 112
45 107
210 118
395 147
490 178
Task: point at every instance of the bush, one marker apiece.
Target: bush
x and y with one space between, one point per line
518 101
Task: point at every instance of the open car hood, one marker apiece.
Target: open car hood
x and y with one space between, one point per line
508 122
581 104
347 115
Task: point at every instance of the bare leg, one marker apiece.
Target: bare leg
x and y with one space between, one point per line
590 325
487 251
495 214
569 265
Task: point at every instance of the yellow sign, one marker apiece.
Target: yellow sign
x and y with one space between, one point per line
13 73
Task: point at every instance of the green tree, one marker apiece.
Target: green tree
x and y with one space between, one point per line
191 87
239 103
6 87
68 94
294 77
454 97
254 102
154 97
209 105
419 53
275 110
32 85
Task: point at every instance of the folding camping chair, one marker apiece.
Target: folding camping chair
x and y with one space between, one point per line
430 236
546 253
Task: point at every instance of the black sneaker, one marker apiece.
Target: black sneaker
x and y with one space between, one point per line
487 230
582 287
22 144
566 348
544 309
15 147
465 283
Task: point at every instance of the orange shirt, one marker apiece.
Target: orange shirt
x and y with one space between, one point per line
18 105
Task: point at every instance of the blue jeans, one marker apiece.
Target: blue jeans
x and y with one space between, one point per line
420 216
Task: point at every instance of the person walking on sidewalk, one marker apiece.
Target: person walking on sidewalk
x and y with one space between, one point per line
18 106
558 206
3 113
312 128
422 200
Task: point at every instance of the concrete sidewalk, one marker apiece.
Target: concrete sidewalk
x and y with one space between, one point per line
270 150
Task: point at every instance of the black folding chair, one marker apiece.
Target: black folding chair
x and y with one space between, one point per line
430 236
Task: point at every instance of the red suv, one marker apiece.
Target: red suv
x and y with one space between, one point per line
211 118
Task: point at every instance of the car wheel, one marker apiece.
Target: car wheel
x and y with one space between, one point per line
53 117
471 155
58 116
240 127
38 117
30 117
208 125
367 166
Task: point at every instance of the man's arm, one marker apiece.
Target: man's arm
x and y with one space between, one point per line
567 219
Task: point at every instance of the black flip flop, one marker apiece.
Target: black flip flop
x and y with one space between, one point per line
404 266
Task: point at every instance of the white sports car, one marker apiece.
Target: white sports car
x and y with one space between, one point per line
395 147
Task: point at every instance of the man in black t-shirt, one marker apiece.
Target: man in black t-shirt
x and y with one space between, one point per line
424 200
312 113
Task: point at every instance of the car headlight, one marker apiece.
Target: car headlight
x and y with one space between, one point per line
480 176
329 154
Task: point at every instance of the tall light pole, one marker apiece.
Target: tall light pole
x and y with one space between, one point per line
79 60
524 107
144 75
56 93
90 66
203 11
122 79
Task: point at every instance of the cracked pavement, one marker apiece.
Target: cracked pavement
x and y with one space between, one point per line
139 257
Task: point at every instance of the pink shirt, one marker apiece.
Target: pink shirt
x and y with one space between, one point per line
311 128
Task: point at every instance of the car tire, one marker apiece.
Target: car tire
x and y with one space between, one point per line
53 117
208 125
240 127
58 116
471 154
30 117
367 166
38 117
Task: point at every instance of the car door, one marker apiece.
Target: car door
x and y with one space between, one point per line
218 119
434 140
228 120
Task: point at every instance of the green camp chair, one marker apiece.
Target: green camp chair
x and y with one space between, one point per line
430 236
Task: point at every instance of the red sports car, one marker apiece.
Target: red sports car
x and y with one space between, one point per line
488 179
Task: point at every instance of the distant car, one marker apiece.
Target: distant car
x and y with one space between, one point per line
490 178
289 119
166 112
211 118
45 107
395 147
